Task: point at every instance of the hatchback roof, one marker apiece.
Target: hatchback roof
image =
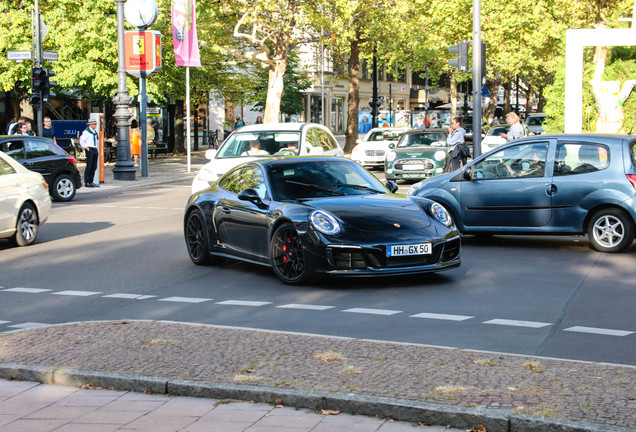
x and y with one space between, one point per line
276 126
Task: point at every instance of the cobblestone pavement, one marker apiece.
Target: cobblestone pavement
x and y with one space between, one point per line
546 389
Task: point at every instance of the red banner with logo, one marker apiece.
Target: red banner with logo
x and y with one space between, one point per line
184 33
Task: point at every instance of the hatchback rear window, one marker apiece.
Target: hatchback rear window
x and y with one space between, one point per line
577 158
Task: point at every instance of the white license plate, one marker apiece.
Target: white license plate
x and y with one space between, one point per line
414 167
409 249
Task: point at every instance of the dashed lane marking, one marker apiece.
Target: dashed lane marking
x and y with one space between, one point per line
516 323
27 290
305 307
185 299
243 303
4 322
599 331
446 317
76 293
130 296
372 311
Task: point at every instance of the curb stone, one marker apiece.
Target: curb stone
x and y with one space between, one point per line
397 409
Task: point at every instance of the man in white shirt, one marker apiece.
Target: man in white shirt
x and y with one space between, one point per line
89 142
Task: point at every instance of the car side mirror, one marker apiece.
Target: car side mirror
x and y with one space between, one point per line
392 186
210 153
467 175
391 145
251 195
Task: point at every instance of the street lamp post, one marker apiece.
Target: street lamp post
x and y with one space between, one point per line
375 101
124 168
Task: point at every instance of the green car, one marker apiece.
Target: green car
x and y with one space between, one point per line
418 155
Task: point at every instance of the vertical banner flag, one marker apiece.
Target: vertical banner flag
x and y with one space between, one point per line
184 33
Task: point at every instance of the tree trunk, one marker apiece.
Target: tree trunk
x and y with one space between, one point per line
453 96
353 103
507 107
179 146
274 91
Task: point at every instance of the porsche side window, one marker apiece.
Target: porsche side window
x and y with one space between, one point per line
244 178
575 158
521 161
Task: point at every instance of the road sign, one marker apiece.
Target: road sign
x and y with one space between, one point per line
19 55
142 52
50 55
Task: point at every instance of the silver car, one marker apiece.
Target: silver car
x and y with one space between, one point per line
25 202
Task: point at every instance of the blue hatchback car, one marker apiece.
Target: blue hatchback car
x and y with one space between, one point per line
546 184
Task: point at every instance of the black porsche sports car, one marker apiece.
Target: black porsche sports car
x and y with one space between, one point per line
315 216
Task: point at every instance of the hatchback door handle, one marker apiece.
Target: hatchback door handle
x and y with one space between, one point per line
551 189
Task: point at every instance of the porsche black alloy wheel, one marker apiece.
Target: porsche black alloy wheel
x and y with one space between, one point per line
286 255
196 239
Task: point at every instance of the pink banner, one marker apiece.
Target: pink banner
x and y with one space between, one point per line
184 33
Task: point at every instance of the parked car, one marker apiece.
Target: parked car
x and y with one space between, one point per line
372 149
318 216
419 154
42 155
492 139
534 122
25 203
272 138
546 184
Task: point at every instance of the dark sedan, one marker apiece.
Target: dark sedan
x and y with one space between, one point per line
546 184
42 155
313 216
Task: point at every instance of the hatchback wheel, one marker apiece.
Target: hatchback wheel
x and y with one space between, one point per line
63 188
196 238
610 230
26 227
286 255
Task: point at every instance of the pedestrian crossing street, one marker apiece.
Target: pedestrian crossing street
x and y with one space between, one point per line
12 326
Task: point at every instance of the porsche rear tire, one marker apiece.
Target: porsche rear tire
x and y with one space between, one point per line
286 255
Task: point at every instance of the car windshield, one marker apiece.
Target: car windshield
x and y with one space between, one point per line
496 130
324 178
424 138
262 143
383 135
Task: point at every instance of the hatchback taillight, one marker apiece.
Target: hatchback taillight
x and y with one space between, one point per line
632 179
72 159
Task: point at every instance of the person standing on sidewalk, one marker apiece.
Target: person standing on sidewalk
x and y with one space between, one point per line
48 131
135 141
89 143
455 141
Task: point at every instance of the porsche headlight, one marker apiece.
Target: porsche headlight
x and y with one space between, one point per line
441 214
439 155
324 222
391 156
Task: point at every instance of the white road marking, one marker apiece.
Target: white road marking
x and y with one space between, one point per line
4 322
516 323
599 331
27 290
130 296
243 303
446 317
185 299
29 325
76 293
372 311
305 307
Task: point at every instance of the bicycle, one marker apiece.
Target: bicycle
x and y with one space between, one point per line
214 139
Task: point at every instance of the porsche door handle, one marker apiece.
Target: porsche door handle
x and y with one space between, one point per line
227 210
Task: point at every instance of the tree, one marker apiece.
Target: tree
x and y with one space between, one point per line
266 32
294 82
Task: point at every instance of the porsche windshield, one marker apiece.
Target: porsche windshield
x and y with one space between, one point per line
315 179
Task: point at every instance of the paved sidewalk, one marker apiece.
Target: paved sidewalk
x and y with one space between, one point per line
420 385
413 383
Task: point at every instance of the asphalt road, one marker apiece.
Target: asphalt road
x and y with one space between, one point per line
115 254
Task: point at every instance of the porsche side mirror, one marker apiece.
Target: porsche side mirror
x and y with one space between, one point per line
392 186
251 195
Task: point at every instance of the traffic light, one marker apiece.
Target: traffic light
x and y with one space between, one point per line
461 62
46 87
38 77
